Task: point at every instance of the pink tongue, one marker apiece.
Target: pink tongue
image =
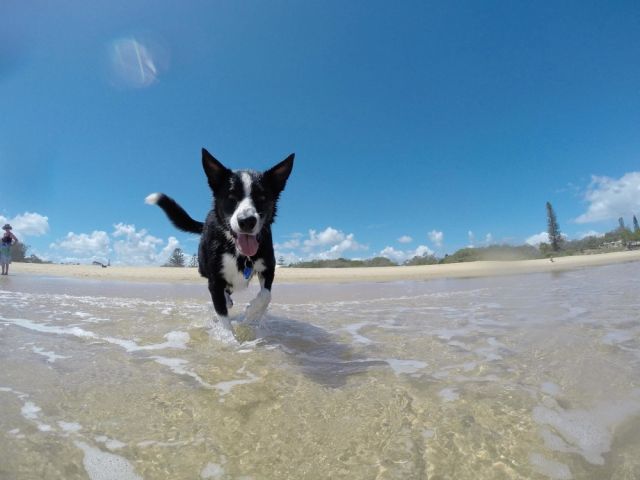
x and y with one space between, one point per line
247 244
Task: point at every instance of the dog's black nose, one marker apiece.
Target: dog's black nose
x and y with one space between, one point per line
247 224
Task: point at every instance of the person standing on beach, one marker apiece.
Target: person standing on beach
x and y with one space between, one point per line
7 240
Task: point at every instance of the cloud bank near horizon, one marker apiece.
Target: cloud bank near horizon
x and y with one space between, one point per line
610 198
326 244
331 243
607 199
27 224
125 245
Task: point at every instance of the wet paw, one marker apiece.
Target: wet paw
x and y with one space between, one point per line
221 329
258 306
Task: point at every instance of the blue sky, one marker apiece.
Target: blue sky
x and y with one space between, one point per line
417 126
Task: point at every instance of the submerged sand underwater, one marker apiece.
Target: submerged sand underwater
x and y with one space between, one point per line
531 376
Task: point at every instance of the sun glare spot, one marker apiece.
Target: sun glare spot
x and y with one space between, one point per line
134 64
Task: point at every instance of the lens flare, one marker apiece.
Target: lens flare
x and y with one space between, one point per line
135 64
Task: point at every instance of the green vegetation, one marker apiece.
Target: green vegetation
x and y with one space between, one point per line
493 253
19 254
423 260
616 240
345 263
469 254
176 259
553 229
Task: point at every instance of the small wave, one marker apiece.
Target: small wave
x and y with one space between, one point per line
101 465
585 432
175 339
224 388
177 366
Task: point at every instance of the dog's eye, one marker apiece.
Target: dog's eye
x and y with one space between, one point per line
261 198
229 203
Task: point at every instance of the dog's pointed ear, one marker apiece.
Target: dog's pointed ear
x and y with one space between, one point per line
217 173
278 175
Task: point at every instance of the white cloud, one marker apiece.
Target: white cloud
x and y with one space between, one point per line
291 244
125 246
488 239
288 245
347 244
611 198
82 247
329 243
329 236
436 237
392 254
405 239
590 233
542 237
137 247
421 251
401 256
287 258
538 238
28 224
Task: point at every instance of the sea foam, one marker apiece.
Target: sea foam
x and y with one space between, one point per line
106 466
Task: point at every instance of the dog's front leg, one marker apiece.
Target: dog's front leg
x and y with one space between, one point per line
258 306
219 298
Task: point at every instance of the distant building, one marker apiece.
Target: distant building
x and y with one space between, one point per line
616 244
633 245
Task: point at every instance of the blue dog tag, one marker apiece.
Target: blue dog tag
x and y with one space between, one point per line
247 272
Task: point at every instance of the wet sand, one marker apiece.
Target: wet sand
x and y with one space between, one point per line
336 275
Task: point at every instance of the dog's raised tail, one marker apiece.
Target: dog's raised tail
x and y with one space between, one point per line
175 212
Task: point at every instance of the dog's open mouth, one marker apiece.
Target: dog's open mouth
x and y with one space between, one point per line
247 244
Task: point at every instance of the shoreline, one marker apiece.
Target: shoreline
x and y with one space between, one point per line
152 274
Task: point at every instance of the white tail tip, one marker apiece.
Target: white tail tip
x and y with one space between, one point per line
152 199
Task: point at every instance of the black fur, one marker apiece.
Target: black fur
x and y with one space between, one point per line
180 219
218 237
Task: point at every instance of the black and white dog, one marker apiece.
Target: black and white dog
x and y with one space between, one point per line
236 237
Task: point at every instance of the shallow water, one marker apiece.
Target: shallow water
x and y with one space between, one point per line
528 377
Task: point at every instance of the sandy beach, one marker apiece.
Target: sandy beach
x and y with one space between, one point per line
335 275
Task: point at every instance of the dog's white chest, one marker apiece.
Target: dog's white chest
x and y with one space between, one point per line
235 277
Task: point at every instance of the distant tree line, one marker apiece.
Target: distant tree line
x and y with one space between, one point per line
469 254
345 263
556 246
559 246
493 253
178 259
19 254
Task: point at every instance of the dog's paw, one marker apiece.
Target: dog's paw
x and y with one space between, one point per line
221 329
245 333
258 306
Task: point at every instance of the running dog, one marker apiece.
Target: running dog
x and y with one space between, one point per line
235 240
